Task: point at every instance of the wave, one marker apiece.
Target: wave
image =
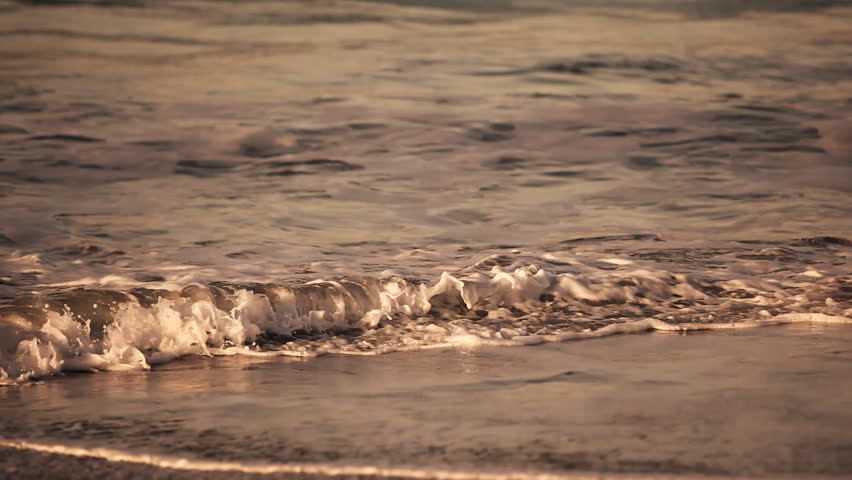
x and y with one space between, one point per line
491 302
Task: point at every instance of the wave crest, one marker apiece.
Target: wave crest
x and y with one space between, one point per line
108 330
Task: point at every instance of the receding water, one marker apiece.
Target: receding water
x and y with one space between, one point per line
746 402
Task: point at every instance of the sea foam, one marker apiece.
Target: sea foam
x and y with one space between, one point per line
370 315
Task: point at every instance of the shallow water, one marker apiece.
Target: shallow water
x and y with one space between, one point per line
173 175
750 402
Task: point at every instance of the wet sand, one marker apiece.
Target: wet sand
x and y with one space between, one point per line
26 465
752 403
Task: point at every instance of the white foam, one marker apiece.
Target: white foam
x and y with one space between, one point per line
137 337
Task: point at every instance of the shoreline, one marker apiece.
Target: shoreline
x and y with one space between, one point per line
18 459
638 406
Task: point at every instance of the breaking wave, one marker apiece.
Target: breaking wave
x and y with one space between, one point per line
499 300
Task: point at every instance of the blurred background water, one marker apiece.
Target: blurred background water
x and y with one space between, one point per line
260 140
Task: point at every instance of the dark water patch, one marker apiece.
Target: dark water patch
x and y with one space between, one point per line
275 18
191 172
501 73
123 37
320 100
614 238
674 207
95 3
12 130
604 132
734 8
502 127
363 243
23 107
377 151
479 6
366 126
91 166
739 118
86 116
786 148
642 162
204 243
564 173
61 137
669 80
22 177
568 376
241 254
539 183
557 96
159 145
61 163
619 132
84 250
149 278
66 215
433 150
578 67
743 128
604 265
6 241
20 279
508 162
699 157
690 141
550 80
708 154
782 135
760 242
317 131
593 63
287 173
266 144
443 21
466 216
83 105
585 66
205 164
823 241
311 196
781 110
150 231
740 197
489 135
314 165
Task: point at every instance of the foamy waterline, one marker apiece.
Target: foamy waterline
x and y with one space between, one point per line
88 330
318 469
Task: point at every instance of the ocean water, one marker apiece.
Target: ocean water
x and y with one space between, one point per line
305 179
